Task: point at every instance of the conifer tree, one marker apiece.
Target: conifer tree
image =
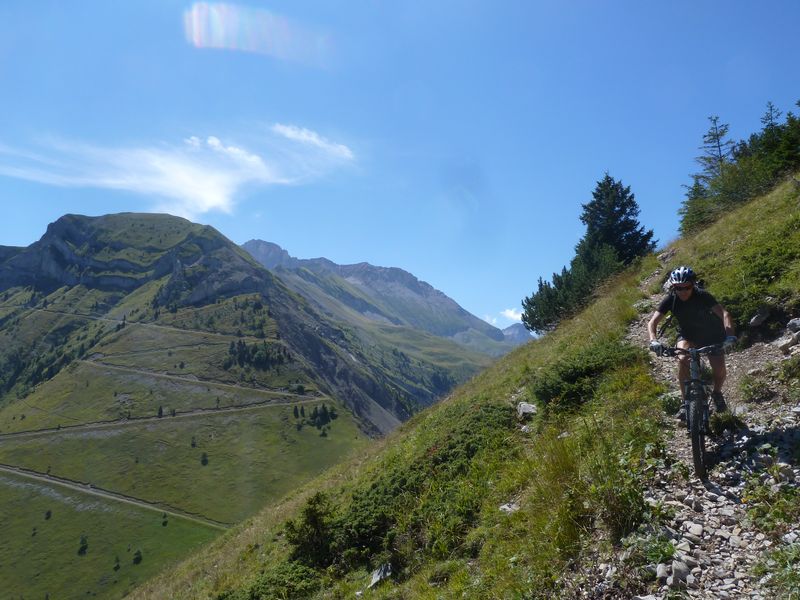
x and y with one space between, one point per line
613 239
611 219
716 150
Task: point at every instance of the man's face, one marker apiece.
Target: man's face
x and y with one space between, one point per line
684 290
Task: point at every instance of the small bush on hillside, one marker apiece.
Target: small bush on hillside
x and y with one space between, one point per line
725 421
783 568
650 549
573 378
400 515
671 402
772 511
311 534
755 389
790 369
615 490
287 580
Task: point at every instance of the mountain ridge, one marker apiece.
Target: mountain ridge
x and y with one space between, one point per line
386 294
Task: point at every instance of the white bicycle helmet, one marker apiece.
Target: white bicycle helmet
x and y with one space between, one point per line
682 275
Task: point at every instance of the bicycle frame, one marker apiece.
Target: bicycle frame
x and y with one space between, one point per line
695 401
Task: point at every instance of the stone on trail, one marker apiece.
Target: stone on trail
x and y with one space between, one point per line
526 410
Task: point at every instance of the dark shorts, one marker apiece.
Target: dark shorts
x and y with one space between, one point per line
700 342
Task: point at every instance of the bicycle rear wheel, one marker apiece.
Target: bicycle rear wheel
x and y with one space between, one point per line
697 431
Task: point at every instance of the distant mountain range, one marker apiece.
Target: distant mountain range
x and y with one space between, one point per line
361 293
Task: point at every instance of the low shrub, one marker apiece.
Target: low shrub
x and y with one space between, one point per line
774 511
572 379
782 566
755 389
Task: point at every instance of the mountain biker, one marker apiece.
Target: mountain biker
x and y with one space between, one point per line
702 321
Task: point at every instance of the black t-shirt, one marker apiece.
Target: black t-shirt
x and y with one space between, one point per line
696 322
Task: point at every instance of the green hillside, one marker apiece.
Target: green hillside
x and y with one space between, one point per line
147 359
427 499
39 547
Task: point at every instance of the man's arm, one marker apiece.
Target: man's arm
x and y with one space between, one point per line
727 320
653 324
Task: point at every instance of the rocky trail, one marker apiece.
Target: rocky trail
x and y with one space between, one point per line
716 545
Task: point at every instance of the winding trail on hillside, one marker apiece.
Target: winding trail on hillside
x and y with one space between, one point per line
91 490
716 546
193 381
134 421
225 336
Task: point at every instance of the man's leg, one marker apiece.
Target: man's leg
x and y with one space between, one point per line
683 366
719 372
683 376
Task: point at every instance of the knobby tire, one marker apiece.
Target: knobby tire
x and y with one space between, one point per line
697 433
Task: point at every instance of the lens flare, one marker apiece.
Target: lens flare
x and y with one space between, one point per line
245 29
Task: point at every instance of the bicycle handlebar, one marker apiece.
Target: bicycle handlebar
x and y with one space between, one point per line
674 350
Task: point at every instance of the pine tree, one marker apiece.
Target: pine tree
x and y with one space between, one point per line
611 219
716 150
613 239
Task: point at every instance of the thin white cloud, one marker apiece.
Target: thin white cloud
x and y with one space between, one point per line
313 139
512 314
226 26
490 319
188 179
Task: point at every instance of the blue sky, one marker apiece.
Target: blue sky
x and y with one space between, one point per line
456 140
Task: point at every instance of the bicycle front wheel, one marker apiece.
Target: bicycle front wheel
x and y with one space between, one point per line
697 432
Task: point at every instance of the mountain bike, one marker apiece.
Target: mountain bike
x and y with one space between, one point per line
695 403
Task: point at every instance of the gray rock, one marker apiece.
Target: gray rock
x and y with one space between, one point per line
526 410
662 572
794 325
675 583
510 507
696 529
760 316
380 574
785 343
680 570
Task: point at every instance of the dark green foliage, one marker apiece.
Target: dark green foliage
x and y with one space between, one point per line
311 534
782 565
286 580
774 511
137 557
573 379
204 459
261 356
790 369
613 239
570 290
401 512
735 173
611 219
84 546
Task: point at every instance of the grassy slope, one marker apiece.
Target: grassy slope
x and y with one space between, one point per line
40 555
254 456
577 478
